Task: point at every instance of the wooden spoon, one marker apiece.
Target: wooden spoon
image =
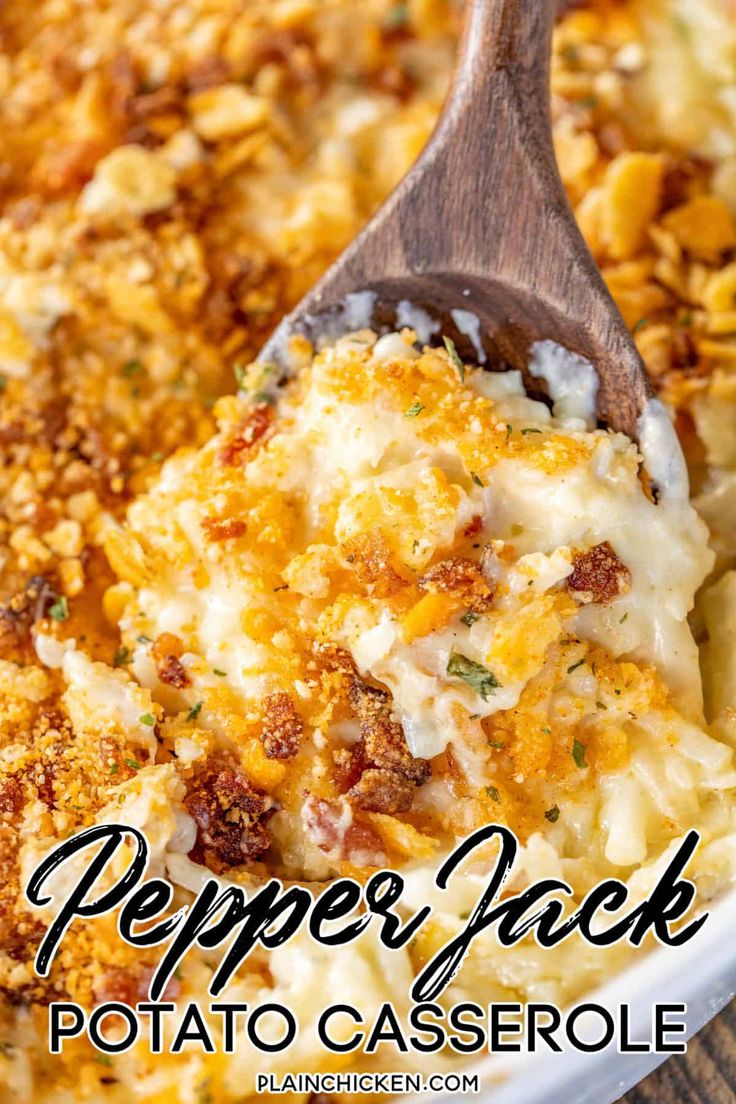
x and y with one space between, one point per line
481 224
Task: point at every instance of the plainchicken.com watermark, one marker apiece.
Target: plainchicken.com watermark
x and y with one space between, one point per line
395 1084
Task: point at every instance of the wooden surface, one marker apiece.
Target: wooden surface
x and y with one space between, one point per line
705 1075
481 223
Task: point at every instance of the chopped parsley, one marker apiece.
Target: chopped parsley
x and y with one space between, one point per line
497 744
478 677
600 705
122 657
114 768
454 357
574 666
147 719
239 373
132 368
397 17
477 479
60 609
194 711
578 754
470 618
493 793
623 618
509 430
639 325
143 639
414 410
103 1059
284 586
530 429
219 673
133 764
553 814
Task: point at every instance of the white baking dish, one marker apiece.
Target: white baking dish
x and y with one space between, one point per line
702 973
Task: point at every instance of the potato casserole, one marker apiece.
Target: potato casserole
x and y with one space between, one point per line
318 630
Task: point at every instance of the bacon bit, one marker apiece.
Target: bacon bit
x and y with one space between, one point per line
230 816
282 726
331 825
373 562
129 985
221 529
171 671
474 526
461 577
380 774
252 431
600 573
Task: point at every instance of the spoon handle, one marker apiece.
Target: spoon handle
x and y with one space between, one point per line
481 225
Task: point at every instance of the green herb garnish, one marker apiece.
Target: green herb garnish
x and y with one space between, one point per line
578 754
639 325
147 719
493 793
414 410
132 368
477 479
133 764
470 618
553 814
454 357
60 609
530 429
574 666
122 657
397 17
478 677
194 711
219 673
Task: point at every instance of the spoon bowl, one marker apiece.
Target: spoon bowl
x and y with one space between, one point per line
478 242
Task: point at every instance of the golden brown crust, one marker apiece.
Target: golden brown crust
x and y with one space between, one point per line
461 577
